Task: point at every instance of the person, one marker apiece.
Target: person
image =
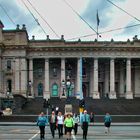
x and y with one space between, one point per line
85 120
52 121
60 122
92 117
69 123
76 121
65 116
107 122
42 122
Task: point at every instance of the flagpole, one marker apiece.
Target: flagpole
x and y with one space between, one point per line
98 20
97 31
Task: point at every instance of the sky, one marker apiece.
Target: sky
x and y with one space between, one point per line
75 19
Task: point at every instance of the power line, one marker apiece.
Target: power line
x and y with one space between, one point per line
7 14
43 19
123 10
80 16
112 30
36 20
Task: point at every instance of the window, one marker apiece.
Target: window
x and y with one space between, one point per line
9 85
40 89
84 72
40 72
8 64
54 71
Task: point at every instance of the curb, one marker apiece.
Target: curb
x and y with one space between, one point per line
95 124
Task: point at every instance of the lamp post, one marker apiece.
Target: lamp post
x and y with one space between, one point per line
68 86
63 87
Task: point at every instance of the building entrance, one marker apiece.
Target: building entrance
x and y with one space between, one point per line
85 88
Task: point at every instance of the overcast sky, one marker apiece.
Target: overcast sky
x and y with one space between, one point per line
63 16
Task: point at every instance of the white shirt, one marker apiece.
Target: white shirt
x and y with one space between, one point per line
60 119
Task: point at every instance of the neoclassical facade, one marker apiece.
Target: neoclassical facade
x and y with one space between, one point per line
41 68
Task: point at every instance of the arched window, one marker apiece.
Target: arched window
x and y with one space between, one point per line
54 90
40 89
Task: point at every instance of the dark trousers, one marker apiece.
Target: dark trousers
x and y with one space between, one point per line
52 128
60 130
75 128
42 131
85 130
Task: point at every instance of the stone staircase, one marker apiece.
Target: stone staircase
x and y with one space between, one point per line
98 106
113 106
122 110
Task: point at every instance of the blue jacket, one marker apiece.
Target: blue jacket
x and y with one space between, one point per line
83 118
107 118
42 121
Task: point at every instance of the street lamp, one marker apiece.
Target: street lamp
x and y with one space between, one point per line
68 86
63 86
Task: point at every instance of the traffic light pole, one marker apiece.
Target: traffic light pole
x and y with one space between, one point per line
47 112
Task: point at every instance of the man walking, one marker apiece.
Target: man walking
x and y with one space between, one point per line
85 120
52 121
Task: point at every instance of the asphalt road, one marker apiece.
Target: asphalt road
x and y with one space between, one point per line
94 133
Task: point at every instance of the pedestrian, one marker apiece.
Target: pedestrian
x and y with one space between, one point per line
92 117
52 121
76 121
60 122
107 122
42 122
85 120
65 116
69 124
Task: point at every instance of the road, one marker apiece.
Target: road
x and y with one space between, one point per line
94 133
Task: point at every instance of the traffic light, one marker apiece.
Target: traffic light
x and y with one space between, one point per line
82 103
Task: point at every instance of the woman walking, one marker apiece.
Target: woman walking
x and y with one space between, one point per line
107 122
69 123
76 121
42 122
60 122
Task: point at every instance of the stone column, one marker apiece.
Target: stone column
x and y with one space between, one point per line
79 93
122 84
17 76
95 80
47 81
23 75
63 78
31 79
128 94
112 94
106 82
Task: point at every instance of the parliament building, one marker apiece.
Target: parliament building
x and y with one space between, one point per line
58 68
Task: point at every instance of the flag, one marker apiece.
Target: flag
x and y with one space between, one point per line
98 20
